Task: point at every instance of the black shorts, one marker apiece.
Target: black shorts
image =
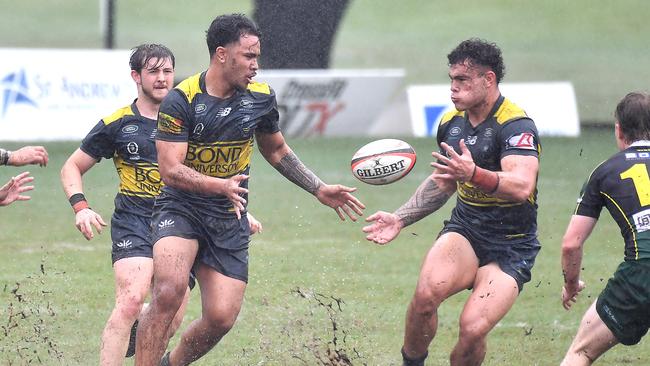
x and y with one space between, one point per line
624 304
223 242
515 259
131 235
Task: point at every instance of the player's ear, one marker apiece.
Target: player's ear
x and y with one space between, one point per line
220 54
490 77
136 77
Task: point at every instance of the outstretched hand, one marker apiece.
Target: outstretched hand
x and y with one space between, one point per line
29 155
454 166
384 228
570 294
14 189
86 219
339 198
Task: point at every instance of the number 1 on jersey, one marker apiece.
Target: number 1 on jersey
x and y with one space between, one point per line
639 175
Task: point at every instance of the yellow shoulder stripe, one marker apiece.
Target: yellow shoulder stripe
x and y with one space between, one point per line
259 88
124 111
449 115
190 86
508 111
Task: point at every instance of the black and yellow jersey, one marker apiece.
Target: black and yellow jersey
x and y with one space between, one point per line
219 133
507 131
622 184
128 138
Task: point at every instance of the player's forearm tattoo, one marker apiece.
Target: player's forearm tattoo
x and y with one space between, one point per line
294 170
427 199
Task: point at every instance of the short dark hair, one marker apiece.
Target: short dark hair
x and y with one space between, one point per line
633 116
227 29
141 55
479 52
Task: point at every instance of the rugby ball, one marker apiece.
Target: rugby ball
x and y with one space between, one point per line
383 161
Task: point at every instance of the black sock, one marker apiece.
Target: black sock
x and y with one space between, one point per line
413 361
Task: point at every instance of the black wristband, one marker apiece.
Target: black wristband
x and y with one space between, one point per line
76 198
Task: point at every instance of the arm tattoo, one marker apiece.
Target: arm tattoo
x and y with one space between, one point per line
294 170
427 199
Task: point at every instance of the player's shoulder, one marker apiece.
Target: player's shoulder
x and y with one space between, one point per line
260 91
190 87
509 112
118 115
448 116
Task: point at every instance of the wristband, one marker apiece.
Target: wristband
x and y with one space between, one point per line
78 202
4 156
485 180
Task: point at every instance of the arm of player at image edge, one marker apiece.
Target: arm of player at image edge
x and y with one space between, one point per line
73 169
173 171
339 197
254 224
430 196
24 156
13 190
577 232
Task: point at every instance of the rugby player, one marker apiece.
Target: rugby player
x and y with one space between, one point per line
621 184
489 151
13 190
206 129
126 136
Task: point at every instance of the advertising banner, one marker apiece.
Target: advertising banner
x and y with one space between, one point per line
53 94
331 102
552 105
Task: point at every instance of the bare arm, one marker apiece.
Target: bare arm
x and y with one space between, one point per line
276 151
77 165
171 156
515 182
428 198
73 169
577 232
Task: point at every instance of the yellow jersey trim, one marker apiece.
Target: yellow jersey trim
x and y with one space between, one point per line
190 87
508 111
259 88
124 111
449 115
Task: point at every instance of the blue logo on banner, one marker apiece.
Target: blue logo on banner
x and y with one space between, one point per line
432 114
14 90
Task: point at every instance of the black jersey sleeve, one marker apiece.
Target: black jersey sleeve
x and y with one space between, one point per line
174 119
99 143
591 201
520 137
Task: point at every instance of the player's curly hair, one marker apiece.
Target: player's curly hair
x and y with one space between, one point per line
479 52
142 54
227 29
633 116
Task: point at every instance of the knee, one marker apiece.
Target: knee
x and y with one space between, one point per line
167 297
220 322
425 301
129 308
473 332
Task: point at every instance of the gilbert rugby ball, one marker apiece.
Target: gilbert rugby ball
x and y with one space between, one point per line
383 161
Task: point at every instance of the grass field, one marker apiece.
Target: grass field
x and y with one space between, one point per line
308 270
598 46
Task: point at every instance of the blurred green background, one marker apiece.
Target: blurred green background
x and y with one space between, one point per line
600 46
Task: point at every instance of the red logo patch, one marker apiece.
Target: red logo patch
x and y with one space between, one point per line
524 140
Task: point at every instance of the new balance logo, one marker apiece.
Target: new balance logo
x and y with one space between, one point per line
124 243
165 224
222 112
